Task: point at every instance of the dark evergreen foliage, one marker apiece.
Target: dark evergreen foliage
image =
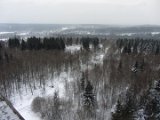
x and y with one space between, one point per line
0 46
53 43
56 113
82 81
118 115
34 43
23 45
139 46
14 43
6 57
158 86
125 111
69 41
0 52
85 43
152 103
95 42
89 97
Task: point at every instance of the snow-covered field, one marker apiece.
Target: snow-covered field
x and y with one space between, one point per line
22 102
6 113
73 48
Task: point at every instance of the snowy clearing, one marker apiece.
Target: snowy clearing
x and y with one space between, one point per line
23 102
73 48
6 113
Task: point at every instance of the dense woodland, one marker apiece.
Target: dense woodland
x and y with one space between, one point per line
137 65
125 87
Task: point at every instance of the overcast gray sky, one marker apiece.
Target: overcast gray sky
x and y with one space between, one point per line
123 12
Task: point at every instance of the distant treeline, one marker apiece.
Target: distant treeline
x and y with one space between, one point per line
135 46
86 41
46 43
34 43
52 43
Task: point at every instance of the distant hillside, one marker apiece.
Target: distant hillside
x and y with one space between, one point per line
72 28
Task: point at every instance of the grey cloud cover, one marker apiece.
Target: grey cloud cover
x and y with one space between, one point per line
125 12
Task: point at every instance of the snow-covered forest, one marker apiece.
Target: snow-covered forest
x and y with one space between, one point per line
81 78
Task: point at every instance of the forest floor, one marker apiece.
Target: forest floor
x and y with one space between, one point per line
22 101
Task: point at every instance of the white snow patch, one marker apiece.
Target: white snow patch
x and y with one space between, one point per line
65 28
23 34
100 46
2 33
73 48
126 34
23 102
140 115
106 50
155 33
6 113
114 108
4 39
98 59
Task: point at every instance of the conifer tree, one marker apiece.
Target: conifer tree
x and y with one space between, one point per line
82 81
13 42
23 45
89 97
118 115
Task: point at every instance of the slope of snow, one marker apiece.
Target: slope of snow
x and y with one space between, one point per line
6 113
23 102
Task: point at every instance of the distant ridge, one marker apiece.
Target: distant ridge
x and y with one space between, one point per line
98 28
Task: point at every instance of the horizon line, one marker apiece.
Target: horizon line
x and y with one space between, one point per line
79 24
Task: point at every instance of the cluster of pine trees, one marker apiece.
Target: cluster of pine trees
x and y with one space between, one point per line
0 52
88 97
58 43
86 41
139 46
34 43
87 90
4 55
138 66
150 102
149 106
125 111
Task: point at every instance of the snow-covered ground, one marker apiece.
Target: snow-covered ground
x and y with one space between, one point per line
6 113
73 48
4 39
98 59
22 101
2 33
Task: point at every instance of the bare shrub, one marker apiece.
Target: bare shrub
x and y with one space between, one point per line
37 104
